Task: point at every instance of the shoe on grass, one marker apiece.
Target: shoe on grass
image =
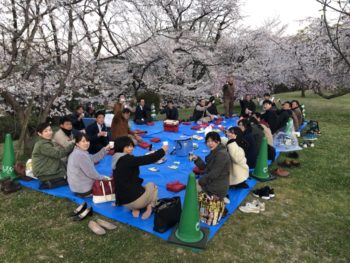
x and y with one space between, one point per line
280 172
250 208
261 205
263 193
105 224
96 228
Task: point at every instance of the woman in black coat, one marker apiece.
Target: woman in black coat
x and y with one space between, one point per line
126 173
216 167
251 152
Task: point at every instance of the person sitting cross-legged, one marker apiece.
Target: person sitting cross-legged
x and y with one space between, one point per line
201 113
97 133
46 159
142 113
128 184
170 111
120 126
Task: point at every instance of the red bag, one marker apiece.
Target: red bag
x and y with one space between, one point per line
103 191
220 118
175 186
197 127
155 140
144 145
197 171
217 122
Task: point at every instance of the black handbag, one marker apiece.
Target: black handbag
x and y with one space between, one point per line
167 213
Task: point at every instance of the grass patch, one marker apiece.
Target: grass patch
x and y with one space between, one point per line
308 221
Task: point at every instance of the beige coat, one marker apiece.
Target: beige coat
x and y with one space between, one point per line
268 134
62 139
239 170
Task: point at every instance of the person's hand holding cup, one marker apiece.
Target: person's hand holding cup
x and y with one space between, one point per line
192 157
111 144
165 146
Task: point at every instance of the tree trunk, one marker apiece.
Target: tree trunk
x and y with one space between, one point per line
24 129
302 92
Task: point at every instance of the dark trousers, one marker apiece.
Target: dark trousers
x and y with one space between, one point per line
228 106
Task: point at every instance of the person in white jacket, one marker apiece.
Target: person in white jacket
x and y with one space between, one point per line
239 170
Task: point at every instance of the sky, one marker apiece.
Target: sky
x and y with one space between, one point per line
288 11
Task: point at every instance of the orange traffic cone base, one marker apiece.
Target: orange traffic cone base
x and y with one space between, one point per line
201 244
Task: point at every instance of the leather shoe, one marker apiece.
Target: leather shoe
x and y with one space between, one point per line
106 224
280 172
79 209
87 212
8 186
96 228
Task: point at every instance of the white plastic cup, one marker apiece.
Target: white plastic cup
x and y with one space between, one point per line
111 144
165 143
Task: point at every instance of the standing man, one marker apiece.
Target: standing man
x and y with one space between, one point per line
229 96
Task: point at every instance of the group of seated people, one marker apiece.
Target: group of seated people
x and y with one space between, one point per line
70 157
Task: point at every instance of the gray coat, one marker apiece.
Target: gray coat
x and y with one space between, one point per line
217 172
81 171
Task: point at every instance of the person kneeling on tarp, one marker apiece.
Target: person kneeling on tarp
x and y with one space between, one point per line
128 184
217 163
81 166
46 159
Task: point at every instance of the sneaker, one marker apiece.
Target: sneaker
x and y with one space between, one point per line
261 205
272 193
250 208
263 193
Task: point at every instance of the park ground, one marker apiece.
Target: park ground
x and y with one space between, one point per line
308 221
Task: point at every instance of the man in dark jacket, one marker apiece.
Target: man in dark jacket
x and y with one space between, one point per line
170 111
247 105
142 113
269 115
212 109
228 91
97 133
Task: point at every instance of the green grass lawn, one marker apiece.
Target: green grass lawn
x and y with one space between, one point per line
308 221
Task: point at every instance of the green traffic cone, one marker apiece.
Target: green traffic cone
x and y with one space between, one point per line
9 159
189 232
261 171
